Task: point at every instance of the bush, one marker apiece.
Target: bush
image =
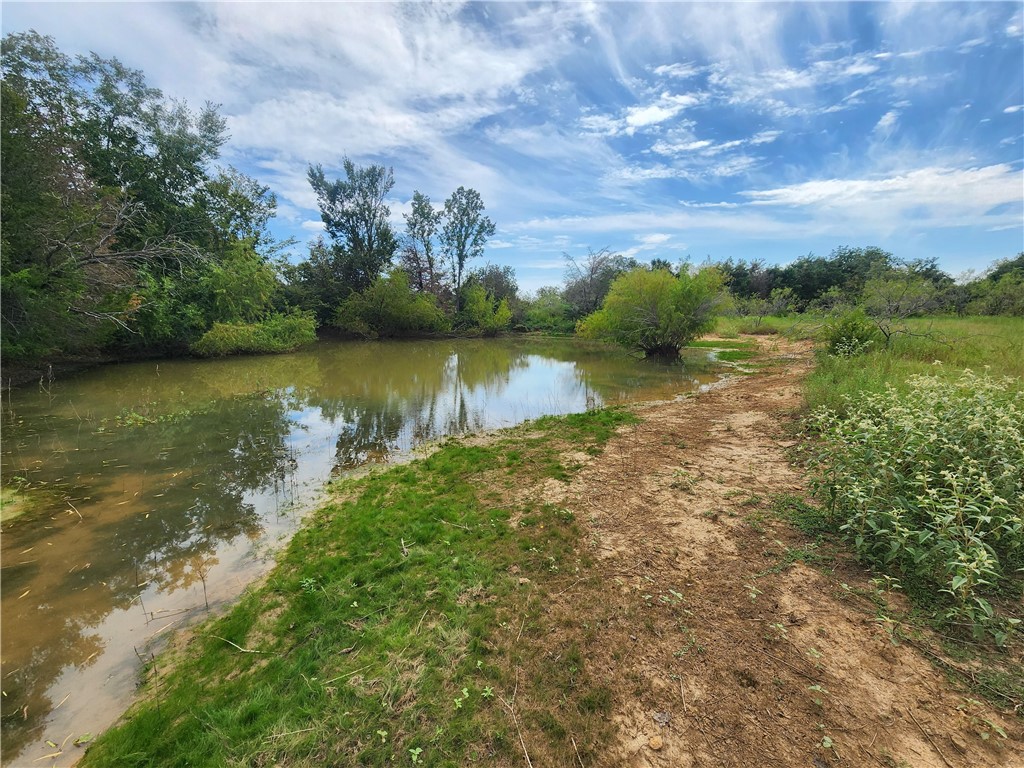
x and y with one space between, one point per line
930 483
389 308
851 334
482 313
657 312
278 333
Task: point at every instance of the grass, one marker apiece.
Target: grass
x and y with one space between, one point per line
389 632
945 345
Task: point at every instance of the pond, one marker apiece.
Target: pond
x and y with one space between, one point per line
139 496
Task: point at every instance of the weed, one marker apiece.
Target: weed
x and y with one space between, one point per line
930 484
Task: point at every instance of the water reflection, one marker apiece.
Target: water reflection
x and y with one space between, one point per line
156 489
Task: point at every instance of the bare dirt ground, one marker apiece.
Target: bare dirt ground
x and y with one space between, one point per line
719 644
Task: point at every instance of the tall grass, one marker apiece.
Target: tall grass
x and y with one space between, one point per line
942 346
921 462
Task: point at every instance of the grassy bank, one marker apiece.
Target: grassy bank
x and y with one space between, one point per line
394 629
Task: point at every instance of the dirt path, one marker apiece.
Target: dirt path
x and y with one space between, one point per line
720 645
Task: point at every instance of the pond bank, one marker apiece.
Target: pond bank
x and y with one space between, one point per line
615 588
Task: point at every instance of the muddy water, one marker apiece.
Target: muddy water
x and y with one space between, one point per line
144 495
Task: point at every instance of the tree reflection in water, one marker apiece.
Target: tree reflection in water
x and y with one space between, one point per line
158 482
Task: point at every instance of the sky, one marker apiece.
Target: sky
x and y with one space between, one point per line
657 129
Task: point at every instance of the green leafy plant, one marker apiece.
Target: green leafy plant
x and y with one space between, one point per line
851 334
929 484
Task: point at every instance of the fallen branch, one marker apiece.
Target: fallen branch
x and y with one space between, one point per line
240 648
454 525
515 720
927 736
577 751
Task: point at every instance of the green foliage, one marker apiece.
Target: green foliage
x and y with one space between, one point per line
390 308
464 232
484 314
357 219
656 311
850 334
1001 291
548 312
929 483
277 333
116 233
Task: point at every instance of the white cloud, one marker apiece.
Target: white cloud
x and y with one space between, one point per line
678 71
1014 108
887 123
921 198
638 117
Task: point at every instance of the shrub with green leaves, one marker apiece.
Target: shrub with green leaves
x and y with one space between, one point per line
851 334
930 484
277 333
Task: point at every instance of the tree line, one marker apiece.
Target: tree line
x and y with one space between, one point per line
122 236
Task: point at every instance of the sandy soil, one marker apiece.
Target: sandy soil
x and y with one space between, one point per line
720 646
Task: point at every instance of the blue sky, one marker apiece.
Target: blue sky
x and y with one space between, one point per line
671 130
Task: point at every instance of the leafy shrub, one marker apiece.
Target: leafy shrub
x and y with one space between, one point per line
851 334
482 313
657 312
930 483
278 333
390 308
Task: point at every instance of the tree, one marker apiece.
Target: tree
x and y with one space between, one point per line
548 311
113 226
417 257
587 281
482 312
464 233
891 296
656 312
315 284
356 217
779 302
499 282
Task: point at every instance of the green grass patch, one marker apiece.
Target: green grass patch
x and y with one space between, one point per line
387 633
943 346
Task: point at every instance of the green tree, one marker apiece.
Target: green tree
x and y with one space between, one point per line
113 226
418 258
657 312
356 216
464 234
548 311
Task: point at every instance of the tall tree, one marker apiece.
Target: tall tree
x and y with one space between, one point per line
465 232
357 219
418 255
111 219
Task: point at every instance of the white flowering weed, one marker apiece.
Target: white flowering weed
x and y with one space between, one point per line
930 483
